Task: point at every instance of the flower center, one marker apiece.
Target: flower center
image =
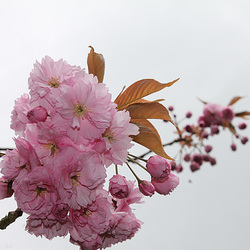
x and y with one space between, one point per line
86 212
109 135
40 191
54 82
80 110
74 179
53 148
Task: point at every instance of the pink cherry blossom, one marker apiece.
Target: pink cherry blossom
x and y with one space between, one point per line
135 196
91 221
17 163
117 139
36 193
86 107
147 188
78 177
158 167
166 185
122 226
50 226
212 113
227 114
49 141
48 79
119 187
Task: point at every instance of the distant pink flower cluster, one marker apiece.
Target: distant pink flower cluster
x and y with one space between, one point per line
68 131
193 136
215 114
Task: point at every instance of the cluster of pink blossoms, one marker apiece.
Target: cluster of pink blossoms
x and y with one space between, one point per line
68 131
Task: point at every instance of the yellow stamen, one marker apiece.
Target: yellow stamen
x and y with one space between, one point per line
86 212
109 135
52 147
40 191
80 110
54 82
74 179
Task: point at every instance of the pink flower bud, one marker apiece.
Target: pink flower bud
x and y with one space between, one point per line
204 134
170 108
206 158
244 140
147 188
37 114
187 157
197 158
179 168
189 114
242 125
189 129
212 161
194 166
119 187
5 189
173 165
233 147
215 130
166 185
227 114
158 167
208 149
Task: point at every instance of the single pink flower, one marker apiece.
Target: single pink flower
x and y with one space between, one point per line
212 113
227 114
91 221
50 226
146 187
135 196
117 139
49 141
86 107
78 176
19 162
36 193
122 227
119 187
166 185
48 79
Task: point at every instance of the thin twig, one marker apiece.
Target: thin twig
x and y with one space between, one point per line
164 145
4 149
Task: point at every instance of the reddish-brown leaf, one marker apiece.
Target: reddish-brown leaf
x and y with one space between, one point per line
150 110
234 100
149 137
141 101
242 114
96 64
138 90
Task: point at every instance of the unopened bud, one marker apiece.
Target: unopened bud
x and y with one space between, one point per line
119 187
158 167
147 188
37 114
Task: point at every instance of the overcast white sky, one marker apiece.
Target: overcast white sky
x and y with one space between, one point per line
205 43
